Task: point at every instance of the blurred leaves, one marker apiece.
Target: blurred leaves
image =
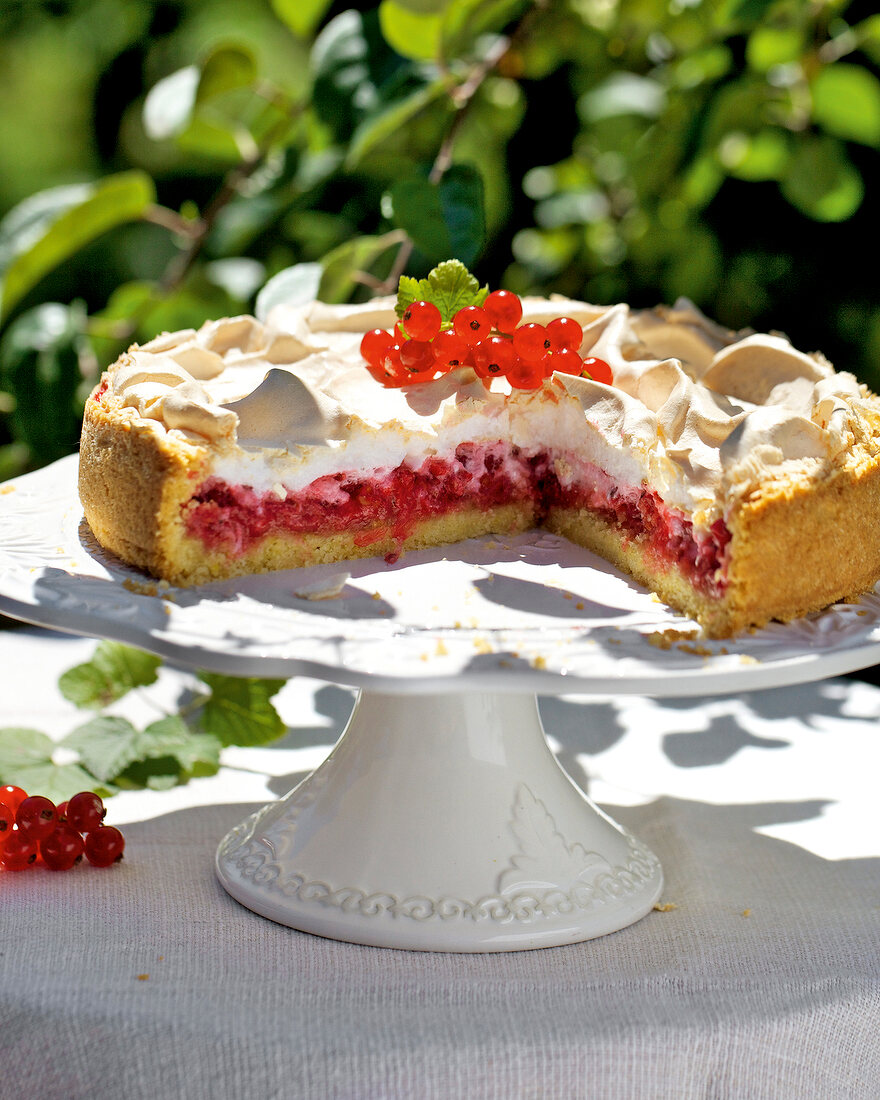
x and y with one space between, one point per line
235 159
44 230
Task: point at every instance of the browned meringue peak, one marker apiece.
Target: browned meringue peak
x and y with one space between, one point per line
158 388
752 367
680 332
324 317
767 440
284 412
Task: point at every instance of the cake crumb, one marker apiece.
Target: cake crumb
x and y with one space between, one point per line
376 596
666 639
143 977
482 646
441 650
4 489
140 588
665 906
696 650
746 913
539 662
747 659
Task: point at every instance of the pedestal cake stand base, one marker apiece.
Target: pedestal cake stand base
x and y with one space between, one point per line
441 822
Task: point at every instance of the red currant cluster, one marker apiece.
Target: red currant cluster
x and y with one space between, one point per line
488 338
33 829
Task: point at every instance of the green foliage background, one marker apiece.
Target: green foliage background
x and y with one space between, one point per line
166 162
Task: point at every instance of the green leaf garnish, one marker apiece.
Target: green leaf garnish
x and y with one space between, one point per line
111 673
450 286
239 711
110 746
26 760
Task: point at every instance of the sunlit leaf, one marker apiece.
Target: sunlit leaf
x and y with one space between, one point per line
774 45
411 33
293 286
35 245
26 760
302 16
761 156
340 266
168 105
239 710
109 745
224 69
846 103
821 181
112 672
623 94
390 119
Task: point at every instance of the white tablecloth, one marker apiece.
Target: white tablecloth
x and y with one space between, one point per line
759 976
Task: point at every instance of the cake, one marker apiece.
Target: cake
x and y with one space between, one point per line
732 474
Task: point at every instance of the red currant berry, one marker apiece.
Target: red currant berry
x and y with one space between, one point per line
85 811
13 796
62 848
565 332
421 320
61 812
526 374
7 820
493 357
471 324
531 342
504 309
19 851
375 344
598 370
566 361
36 816
104 846
450 351
417 356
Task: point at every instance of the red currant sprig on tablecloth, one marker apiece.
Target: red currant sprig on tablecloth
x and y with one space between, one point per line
34 830
489 338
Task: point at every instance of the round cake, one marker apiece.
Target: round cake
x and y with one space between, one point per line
735 476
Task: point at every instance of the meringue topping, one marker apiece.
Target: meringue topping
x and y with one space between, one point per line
696 410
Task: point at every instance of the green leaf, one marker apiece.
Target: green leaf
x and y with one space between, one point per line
450 286
341 264
341 66
112 672
110 747
168 105
388 121
293 286
42 243
239 711
822 182
26 761
301 16
846 103
761 156
411 33
40 368
225 69
768 46
443 219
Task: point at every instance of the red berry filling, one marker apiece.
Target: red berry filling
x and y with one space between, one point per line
234 518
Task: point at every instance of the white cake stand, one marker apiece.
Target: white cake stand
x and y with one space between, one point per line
441 820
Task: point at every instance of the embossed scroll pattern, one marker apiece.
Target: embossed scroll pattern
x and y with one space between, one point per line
546 877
